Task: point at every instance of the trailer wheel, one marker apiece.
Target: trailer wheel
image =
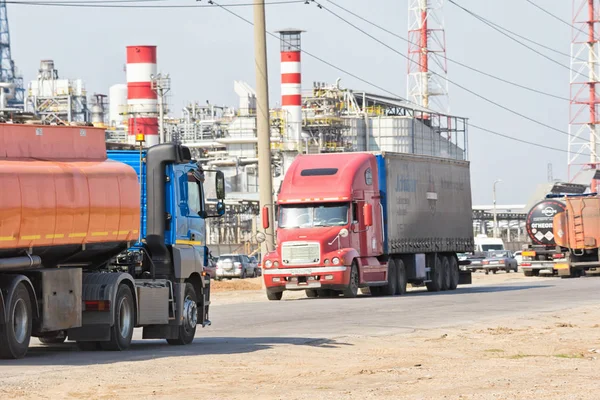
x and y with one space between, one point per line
187 330
15 334
392 282
435 285
122 330
311 293
401 281
454 273
352 289
445 273
274 296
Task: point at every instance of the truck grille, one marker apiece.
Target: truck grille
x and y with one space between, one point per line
300 253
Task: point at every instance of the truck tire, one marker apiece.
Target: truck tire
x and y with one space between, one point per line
528 273
122 330
435 285
445 272
274 296
187 330
401 280
16 333
392 283
56 338
312 293
454 273
351 289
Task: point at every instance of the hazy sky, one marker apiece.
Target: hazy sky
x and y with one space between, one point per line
206 49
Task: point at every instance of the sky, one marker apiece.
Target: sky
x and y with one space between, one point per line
205 49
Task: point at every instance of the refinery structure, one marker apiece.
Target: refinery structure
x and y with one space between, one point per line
319 117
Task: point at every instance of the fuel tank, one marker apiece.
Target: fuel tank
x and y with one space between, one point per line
78 208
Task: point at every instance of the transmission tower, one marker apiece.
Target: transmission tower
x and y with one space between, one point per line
427 65
8 71
584 134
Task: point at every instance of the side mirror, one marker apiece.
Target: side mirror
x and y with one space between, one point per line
344 232
220 185
368 214
261 237
220 208
265 217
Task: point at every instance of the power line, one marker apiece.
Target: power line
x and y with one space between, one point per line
316 57
115 4
501 30
389 92
450 81
449 59
555 16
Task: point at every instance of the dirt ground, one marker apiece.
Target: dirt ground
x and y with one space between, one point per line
548 356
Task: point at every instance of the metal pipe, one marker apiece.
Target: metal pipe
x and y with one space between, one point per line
17 263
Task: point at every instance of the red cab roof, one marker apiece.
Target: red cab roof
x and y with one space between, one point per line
324 177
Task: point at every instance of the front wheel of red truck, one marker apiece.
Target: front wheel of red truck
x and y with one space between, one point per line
15 334
352 289
274 296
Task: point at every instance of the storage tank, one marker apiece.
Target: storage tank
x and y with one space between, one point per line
77 209
540 223
117 102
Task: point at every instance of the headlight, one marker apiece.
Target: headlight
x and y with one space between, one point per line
268 263
335 260
276 264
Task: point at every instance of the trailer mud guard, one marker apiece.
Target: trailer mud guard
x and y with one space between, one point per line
8 283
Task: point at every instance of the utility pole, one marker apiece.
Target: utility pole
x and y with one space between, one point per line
265 179
495 218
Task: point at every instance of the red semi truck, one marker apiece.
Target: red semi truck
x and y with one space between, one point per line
378 220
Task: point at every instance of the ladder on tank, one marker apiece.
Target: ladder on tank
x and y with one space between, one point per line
578 228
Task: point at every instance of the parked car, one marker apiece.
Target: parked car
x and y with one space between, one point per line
211 268
234 266
475 260
500 260
257 269
519 257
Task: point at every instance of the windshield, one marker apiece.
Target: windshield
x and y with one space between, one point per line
498 254
488 247
311 215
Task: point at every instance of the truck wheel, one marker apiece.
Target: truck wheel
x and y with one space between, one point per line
400 277
274 296
392 281
16 333
528 273
122 330
56 338
352 289
187 330
311 293
445 272
435 285
454 273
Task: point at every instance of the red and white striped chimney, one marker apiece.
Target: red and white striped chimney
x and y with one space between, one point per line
291 84
141 99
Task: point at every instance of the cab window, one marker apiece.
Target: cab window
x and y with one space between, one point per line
194 199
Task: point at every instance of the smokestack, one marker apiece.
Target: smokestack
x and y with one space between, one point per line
291 84
142 101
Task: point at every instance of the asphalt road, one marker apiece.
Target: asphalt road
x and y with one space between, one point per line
248 327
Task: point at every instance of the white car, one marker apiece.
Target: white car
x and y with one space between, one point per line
519 257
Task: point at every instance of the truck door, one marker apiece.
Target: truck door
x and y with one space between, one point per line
190 224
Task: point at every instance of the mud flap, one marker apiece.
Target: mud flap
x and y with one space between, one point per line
206 302
562 269
465 278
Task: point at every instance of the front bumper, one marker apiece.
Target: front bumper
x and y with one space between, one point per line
302 278
225 273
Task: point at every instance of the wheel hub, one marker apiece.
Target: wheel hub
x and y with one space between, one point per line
20 321
190 314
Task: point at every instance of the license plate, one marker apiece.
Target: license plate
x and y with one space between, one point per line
561 266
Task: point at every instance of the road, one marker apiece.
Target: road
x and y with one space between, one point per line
249 327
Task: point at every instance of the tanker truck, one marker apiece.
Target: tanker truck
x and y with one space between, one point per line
96 243
550 225
350 221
